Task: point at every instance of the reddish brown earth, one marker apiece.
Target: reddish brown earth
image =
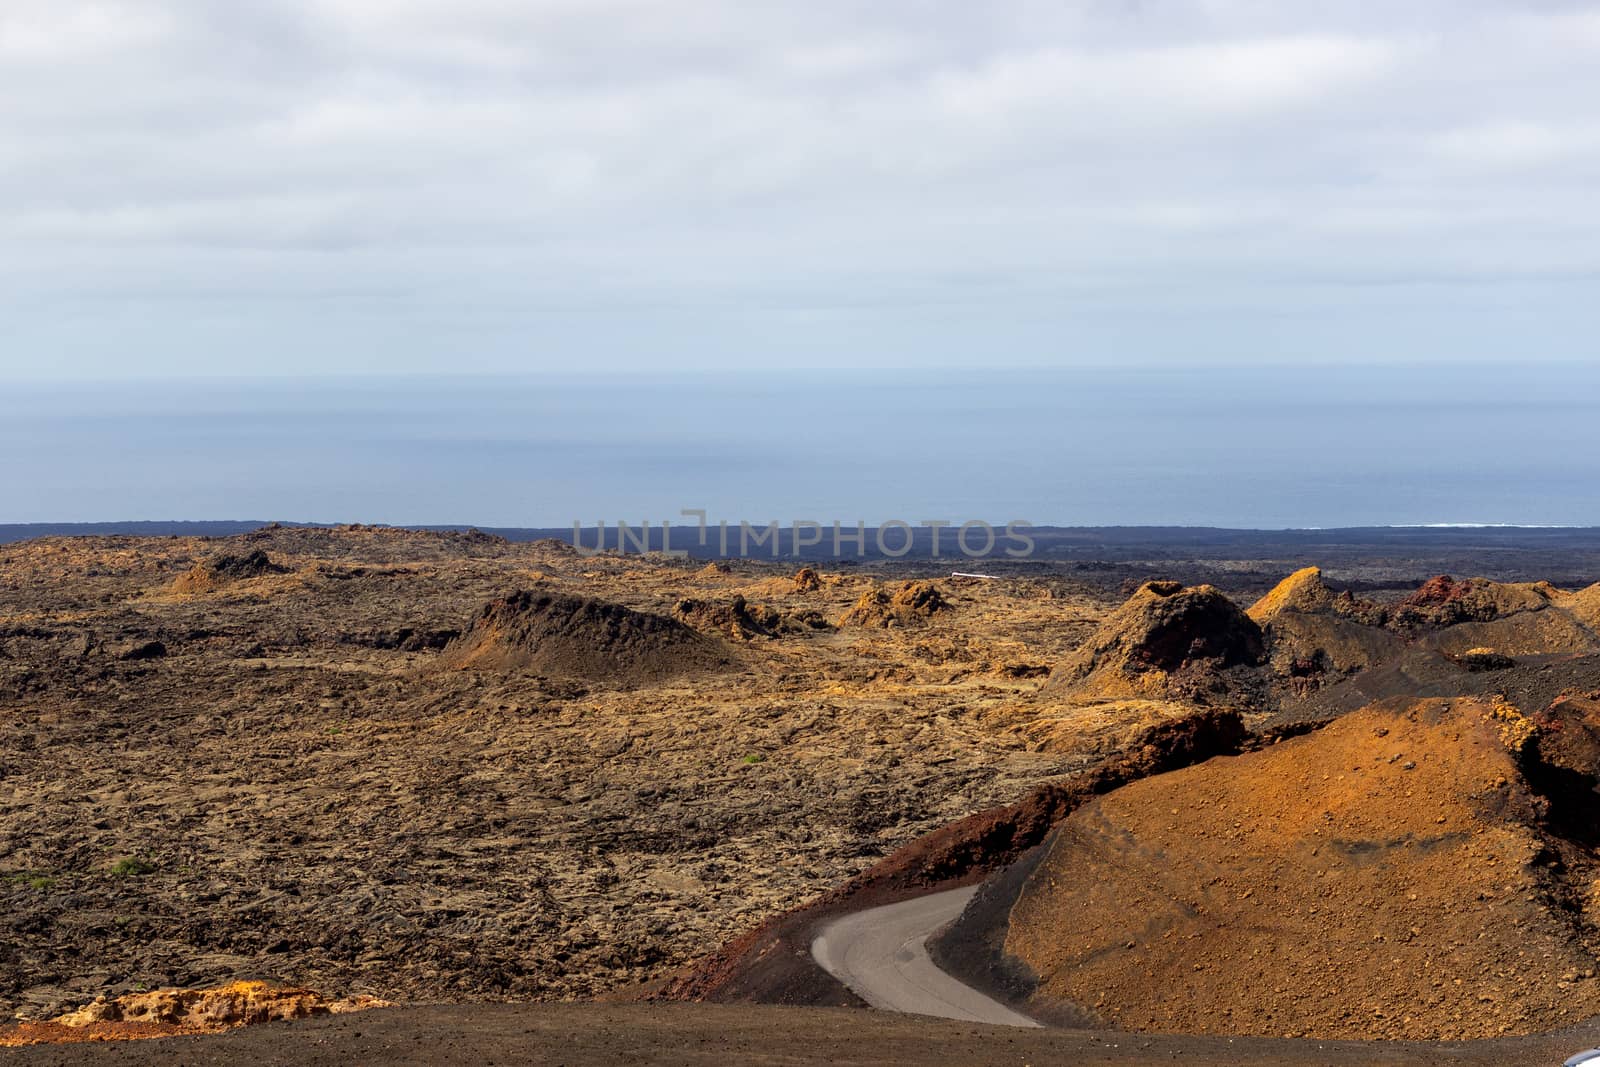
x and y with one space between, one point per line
1405 872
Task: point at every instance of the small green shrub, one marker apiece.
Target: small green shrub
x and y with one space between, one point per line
35 880
129 867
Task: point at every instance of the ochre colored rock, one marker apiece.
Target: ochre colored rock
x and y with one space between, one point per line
910 604
170 1012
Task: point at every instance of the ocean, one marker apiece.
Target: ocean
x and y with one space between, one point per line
1253 447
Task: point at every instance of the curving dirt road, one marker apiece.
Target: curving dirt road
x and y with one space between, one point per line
881 954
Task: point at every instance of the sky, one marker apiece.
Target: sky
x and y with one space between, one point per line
352 187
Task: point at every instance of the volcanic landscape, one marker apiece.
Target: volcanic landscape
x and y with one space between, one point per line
329 769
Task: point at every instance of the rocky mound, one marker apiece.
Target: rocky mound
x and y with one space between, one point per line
912 603
1315 635
1583 605
1413 870
552 546
737 618
1318 638
225 569
1443 601
1306 593
743 621
807 580
1168 642
170 1012
1523 618
580 638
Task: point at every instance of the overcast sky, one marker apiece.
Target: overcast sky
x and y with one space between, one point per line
347 186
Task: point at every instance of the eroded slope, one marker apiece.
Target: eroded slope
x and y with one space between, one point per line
1400 873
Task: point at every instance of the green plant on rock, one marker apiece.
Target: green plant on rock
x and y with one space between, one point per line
130 867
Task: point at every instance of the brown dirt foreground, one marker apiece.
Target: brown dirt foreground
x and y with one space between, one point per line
700 1035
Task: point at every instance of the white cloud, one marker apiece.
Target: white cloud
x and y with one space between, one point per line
503 159
40 33
1517 145
1160 88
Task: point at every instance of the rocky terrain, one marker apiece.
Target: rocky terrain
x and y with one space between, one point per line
441 766
1420 866
445 767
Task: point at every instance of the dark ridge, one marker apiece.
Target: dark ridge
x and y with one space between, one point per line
1565 556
